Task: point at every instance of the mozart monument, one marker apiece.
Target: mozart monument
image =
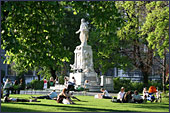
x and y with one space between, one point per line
83 61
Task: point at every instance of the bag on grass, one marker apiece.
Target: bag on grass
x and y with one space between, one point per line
65 101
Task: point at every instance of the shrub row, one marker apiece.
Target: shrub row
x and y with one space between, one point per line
129 85
37 85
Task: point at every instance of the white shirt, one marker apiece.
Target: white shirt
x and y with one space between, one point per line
13 99
120 95
73 80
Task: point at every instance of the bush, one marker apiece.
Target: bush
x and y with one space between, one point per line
37 85
118 83
129 85
61 79
29 86
15 87
156 84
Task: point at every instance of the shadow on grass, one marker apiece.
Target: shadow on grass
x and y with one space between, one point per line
13 109
65 108
156 106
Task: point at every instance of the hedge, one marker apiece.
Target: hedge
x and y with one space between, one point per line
129 85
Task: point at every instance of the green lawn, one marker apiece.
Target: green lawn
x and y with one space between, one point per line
88 104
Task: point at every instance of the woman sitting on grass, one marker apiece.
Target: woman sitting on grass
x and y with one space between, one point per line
137 98
104 94
64 97
7 99
127 98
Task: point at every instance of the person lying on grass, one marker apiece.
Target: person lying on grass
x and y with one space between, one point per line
104 94
7 99
52 96
65 97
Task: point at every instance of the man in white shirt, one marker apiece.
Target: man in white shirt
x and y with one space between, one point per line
121 94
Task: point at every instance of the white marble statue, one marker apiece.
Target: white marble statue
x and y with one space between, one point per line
84 32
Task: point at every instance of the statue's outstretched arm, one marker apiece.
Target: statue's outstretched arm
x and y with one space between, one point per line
77 31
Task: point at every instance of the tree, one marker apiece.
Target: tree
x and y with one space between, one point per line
156 28
38 34
135 46
140 32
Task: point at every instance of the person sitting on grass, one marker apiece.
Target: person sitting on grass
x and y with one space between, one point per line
53 96
104 94
145 94
121 94
7 99
64 97
127 97
136 97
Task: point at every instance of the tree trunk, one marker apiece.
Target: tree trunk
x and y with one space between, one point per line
38 77
145 78
53 73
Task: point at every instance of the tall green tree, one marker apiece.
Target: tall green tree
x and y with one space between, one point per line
135 47
156 28
145 32
38 34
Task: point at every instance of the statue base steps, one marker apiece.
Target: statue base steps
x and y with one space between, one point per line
81 77
91 77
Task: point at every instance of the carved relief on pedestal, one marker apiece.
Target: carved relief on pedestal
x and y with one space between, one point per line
87 64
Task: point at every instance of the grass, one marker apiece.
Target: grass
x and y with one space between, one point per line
88 104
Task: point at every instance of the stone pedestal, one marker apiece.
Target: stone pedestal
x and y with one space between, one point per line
107 83
83 67
79 78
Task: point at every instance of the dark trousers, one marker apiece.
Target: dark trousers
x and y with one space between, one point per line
60 99
119 101
70 88
75 98
22 100
138 101
43 97
106 97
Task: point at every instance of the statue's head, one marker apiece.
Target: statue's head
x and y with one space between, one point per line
82 20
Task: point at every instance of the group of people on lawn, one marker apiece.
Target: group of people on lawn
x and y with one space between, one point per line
63 97
66 97
135 97
128 97
13 87
122 96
